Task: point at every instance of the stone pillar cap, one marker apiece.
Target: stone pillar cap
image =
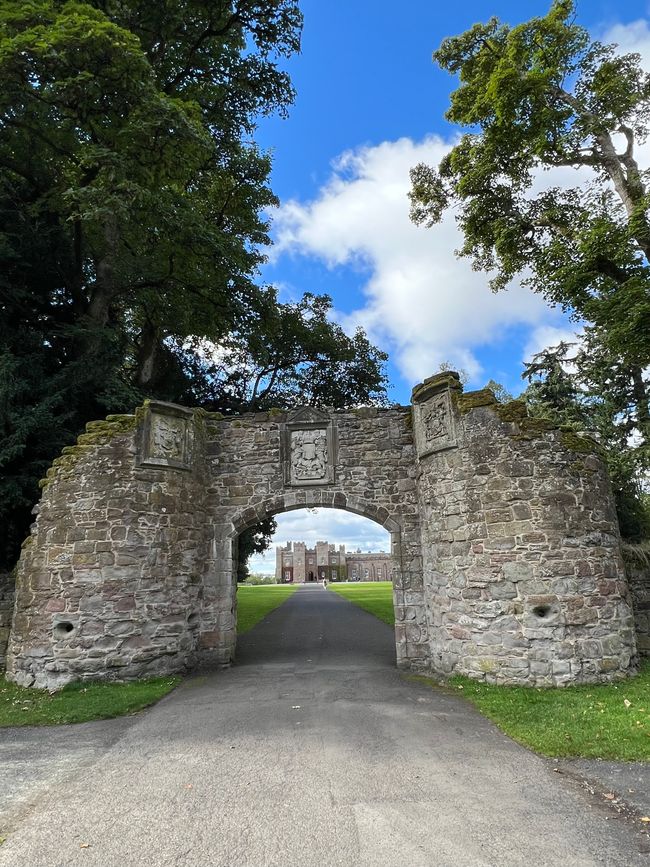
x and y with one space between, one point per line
435 384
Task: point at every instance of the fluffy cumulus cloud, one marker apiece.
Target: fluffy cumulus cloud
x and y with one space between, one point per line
633 37
331 525
423 303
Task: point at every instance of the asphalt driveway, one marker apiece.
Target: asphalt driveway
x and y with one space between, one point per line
312 750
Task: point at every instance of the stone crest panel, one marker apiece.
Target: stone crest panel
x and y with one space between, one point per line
309 449
435 427
166 437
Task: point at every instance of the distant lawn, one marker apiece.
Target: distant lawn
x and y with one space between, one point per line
254 603
79 702
373 596
609 721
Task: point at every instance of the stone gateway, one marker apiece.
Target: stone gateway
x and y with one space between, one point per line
505 549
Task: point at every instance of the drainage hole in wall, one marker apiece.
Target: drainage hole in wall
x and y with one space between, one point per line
63 629
542 611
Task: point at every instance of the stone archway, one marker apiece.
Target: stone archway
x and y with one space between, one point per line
510 566
405 602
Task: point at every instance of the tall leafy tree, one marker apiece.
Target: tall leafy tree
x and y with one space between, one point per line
535 97
295 355
132 202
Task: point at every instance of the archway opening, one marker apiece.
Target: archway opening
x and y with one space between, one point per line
354 558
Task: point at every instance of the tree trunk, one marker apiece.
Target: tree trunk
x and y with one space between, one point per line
149 345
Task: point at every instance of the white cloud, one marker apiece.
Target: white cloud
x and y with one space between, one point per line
633 37
424 304
328 525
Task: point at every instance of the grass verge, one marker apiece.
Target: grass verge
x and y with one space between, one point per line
79 702
608 721
373 596
254 603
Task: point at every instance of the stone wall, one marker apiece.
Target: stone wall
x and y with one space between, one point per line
504 542
7 592
637 567
109 584
524 579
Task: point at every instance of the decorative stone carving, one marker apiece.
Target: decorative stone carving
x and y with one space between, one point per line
165 440
309 454
436 419
308 443
434 423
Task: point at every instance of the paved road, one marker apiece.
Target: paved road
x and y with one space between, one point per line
312 750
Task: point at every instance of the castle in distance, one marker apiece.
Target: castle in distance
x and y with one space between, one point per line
295 563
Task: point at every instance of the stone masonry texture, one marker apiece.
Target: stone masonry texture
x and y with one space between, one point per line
637 567
7 588
505 548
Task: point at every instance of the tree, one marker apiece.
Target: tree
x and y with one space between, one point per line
294 356
593 403
543 96
132 227
254 540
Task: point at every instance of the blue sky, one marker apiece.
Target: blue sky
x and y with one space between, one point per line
370 104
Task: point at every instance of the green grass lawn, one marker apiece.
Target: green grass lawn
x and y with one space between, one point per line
78 702
609 721
254 603
373 596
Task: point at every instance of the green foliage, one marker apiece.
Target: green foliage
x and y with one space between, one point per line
79 702
535 97
596 401
132 201
376 597
256 579
254 603
292 355
254 540
499 391
609 721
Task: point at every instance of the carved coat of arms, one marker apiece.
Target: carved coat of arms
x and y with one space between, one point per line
435 420
308 454
435 427
308 448
168 436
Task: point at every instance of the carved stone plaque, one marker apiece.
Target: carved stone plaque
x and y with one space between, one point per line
434 424
309 456
308 445
166 436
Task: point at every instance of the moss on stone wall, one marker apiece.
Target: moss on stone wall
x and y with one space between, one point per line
528 428
97 433
533 428
473 399
581 443
514 410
